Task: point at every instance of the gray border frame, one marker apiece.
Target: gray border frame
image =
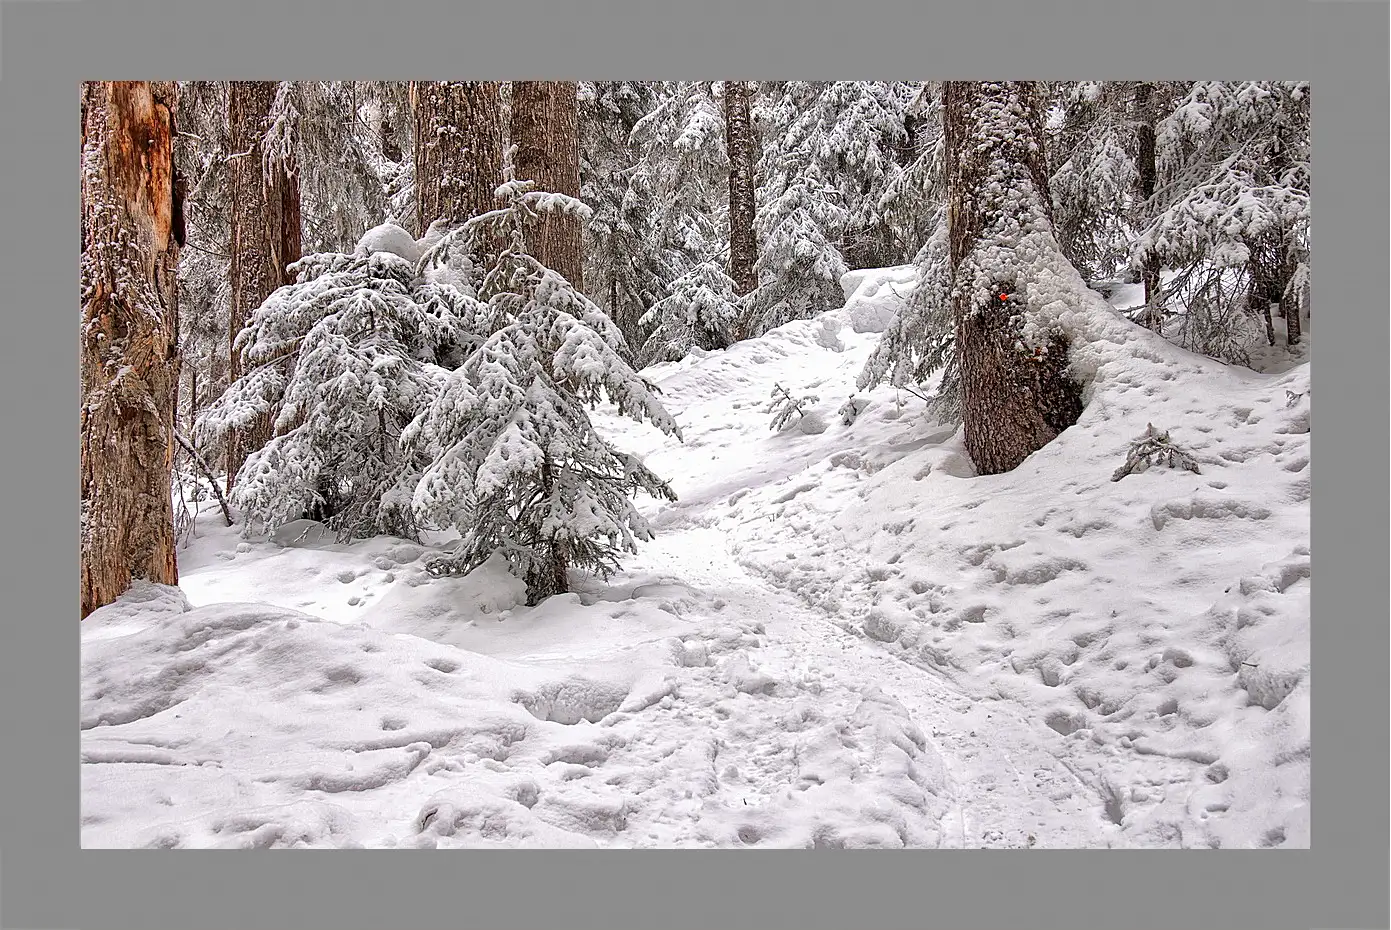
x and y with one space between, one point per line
46 882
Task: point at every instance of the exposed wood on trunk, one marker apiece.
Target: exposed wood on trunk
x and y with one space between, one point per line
458 149
544 128
265 227
129 348
1013 400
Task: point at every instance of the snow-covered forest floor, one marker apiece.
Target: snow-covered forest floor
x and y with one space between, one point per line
840 637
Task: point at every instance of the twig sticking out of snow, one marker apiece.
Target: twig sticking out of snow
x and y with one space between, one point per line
1152 448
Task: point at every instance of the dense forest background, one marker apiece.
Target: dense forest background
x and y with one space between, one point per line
665 217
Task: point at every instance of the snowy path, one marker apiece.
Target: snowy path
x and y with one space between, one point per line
1004 788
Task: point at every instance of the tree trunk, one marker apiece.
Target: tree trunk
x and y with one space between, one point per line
544 128
458 150
129 347
1014 400
1293 324
739 144
1148 171
265 233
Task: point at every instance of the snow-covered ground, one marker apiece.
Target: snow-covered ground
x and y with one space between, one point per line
840 637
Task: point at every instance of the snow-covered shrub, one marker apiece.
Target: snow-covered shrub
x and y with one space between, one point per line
342 359
850 410
517 467
783 406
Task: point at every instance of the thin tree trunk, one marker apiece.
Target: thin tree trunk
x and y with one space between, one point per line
1293 324
129 348
1013 400
544 128
1148 171
265 234
1258 296
458 149
743 249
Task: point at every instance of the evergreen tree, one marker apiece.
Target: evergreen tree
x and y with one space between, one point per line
913 192
200 155
544 133
684 166
517 466
799 268
740 145
702 311
1230 213
1011 285
625 266
1094 185
830 154
342 359
129 345
264 210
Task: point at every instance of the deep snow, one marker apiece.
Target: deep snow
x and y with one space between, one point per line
840 637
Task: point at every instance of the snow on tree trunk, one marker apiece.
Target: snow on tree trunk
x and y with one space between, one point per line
458 149
544 128
265 232
743 250
129 347
1016 394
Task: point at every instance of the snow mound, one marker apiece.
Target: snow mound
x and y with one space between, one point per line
389 237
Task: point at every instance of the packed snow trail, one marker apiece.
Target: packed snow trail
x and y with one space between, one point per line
1003 786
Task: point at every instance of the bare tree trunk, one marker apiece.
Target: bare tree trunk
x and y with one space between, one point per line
265 226
458 149
1293 325
1148 171
544 128
1013 400
739 144
129 348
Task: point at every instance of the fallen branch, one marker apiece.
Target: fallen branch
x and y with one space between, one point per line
207 473
1151 448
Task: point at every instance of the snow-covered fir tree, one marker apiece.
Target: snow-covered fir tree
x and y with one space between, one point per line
799 266
701 312
682 172
200 152
1231 212
913 190
347 184
626 268
343 359
1094 183
831 149
517 467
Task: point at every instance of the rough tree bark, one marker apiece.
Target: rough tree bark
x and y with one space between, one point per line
129 342
458 149
739 144
1148 172
544 129
265 226
1013 400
